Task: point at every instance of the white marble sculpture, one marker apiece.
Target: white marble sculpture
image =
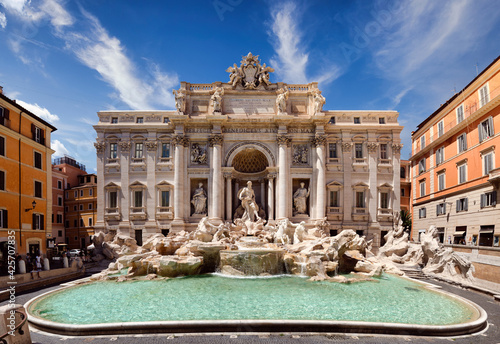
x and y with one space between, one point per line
281 99
247 198
180 100
319 101
198 154
250 74
199 200
300 199
216 99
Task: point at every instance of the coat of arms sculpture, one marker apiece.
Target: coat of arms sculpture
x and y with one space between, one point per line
250 74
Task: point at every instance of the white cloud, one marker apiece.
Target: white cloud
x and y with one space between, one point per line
41 112
292 58
59 16
58 146
3 20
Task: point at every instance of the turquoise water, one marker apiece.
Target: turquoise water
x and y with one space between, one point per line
207 297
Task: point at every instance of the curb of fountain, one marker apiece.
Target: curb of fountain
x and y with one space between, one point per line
295 326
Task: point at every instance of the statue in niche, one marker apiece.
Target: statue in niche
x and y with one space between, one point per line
300 199
281 100
300 154
198 154
250 207
180 100
319 101
217 99
199 201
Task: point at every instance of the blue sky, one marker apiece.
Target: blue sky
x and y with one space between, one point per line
66 60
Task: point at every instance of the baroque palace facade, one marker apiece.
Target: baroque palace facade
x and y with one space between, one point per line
163 171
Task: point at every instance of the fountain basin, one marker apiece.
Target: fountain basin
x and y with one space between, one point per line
252 262
210 303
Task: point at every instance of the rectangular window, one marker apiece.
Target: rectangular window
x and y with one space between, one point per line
441 209
360 199
422 213
462 173
90 221
334 198
81 207
90 192
462 143
381 120
422 142
357 120
440 128
75 208
462 204
81 223
4 218
422 188
402 192
67 195
59 233
81 193
487 163
166 120
38 221
358 147
421 166
402 172
113 153
38 160
2 146
485 129
140 120
37 134
138 199
38 189
489 199
383 151
75 223
90 206
113 199
165 150
441 181
76 193
332 148
440 155
59 218
138 150
114 120
59 185
384 200
460 113
165 198
59 201
484 95
2 180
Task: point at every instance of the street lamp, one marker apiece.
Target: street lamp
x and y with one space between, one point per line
33 204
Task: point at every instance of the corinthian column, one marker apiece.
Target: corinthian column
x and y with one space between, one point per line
179 171
270 196
320 165
283 176
215 213
229 200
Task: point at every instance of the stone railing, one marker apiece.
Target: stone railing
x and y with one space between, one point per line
201 87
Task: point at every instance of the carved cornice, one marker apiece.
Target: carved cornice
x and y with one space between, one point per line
215 140
180 140
125 145
346 146
151 145
372 147
272 175
283 140
396 147
319 140
99 146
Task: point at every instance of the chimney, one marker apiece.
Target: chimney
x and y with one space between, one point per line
1 90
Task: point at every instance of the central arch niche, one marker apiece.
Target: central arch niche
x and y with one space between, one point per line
250 160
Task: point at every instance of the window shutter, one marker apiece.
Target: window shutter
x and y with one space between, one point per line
6 113
41 222
480 132
33 219
490 127
33 130
42 138
482 201
494 198
2 146
466 204
437 209
425 212
444 208
458 205
5 221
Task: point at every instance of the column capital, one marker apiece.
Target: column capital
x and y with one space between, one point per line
283 140
215 140
272 175
319 140
228 175
372 147
346 147
125 146
99 146
151 145
396 147
180 140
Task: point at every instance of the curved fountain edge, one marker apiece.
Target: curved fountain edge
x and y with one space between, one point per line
197 326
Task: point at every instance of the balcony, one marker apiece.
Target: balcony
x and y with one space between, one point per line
335 213
360 214
164 213
138 164
360 164
138 213
112 214
334 164
384 215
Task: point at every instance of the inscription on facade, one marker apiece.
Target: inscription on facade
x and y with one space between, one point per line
249 130
249 106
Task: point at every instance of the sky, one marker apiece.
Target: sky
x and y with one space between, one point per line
66 60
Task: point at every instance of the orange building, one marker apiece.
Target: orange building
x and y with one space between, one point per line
25 179
455 166
80 211
405 185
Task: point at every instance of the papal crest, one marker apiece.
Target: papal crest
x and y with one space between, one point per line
250 74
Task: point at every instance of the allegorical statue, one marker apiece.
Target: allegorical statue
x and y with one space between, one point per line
180 100
319 101
235 76
217 99
247 198
281 100
300 199
199 200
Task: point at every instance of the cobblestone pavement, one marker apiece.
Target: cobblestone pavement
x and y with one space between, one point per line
491 335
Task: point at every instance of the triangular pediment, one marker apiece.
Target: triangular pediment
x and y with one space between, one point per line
112 185
334 184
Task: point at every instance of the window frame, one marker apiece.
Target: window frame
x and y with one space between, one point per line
439 155
38 165
488 156
113 150
485 97
441 177
37 182
360 145
486 129
462 143
421 166
422 188
459 168
440 128
462 204
3 149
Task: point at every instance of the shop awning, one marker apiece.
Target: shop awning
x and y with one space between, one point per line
485 231
459 233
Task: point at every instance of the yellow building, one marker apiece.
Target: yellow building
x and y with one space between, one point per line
25 179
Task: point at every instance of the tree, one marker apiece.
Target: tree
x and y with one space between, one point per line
406 220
